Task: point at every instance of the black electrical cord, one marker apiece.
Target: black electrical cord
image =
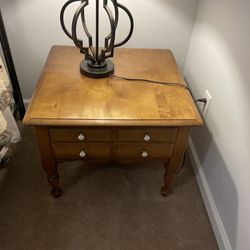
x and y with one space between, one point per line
182 163
203 100
151 81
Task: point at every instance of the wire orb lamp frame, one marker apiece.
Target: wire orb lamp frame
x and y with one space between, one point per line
96 63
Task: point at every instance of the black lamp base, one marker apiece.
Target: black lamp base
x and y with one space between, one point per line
97 71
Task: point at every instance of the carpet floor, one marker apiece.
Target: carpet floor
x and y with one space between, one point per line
109 207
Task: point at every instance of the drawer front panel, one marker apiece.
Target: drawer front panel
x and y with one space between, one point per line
80 134
79 151
143 151
147 135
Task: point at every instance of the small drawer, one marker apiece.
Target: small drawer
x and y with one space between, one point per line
80 135
78 151
144 151
147 135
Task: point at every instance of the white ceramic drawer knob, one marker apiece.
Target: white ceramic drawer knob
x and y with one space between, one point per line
144 154
147 137
81 137
82 154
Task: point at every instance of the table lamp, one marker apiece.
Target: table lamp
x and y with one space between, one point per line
95 63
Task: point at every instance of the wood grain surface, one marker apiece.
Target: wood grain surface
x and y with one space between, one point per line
64 97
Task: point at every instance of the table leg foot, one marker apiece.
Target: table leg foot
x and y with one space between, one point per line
53 180
56 192
165 191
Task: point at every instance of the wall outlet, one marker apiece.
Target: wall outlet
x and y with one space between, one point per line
204 106
207 104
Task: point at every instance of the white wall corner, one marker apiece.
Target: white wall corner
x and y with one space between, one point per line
213 214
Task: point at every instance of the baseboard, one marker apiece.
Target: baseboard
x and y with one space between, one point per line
213 214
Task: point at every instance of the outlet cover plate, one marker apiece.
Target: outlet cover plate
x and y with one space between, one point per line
209 98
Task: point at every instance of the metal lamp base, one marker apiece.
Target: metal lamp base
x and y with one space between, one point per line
97 70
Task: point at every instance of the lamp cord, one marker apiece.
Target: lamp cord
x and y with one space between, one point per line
203 100
152 81
163 83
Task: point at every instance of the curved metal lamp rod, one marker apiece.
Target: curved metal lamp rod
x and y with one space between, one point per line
96 63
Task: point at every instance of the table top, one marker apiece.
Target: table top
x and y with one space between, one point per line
64 97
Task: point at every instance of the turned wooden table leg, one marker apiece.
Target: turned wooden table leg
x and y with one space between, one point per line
53 179
176 159
48 161
168 179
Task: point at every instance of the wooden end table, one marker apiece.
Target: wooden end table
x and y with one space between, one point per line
111 119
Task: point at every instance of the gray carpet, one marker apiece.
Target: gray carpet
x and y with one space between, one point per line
102 208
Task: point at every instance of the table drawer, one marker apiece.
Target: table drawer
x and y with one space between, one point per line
143 151
80 151
147 135
80 134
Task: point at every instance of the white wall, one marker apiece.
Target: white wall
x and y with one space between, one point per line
33 27
218 60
